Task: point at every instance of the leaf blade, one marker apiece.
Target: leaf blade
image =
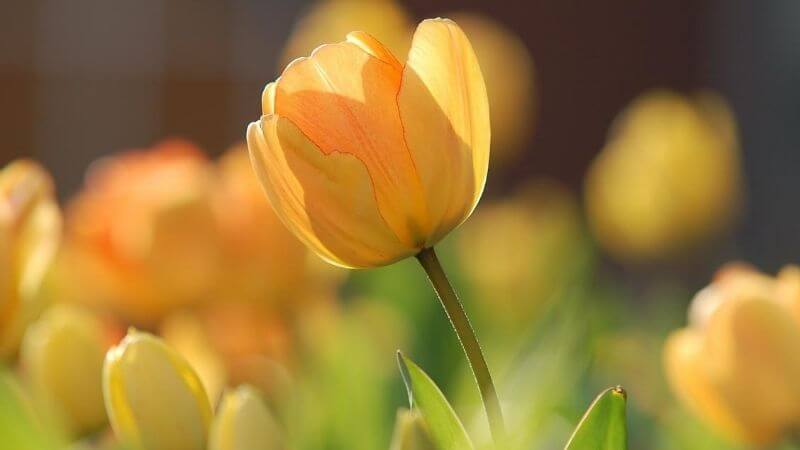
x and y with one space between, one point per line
603 426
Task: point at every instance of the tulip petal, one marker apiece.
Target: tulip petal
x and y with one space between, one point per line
268 99
344 99
445 113
327 200
369 44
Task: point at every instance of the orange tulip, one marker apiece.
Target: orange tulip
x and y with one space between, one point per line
30 233
143 233
369 161
736 364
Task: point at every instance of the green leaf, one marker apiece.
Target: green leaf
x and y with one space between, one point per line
443 424
603 425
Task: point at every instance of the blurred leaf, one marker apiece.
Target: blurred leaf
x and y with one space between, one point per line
603 426
19 427
444 426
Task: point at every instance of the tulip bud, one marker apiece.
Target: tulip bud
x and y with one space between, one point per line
737 365
410 432
30 232
63 355
244 423
154 399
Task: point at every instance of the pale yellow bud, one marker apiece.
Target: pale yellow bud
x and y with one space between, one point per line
244 423
410 432
154 399
63 355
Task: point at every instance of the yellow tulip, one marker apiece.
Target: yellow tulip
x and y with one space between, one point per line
519 252
736 364
510 77
244 422
154 399
30 233
668 177
63 355
410 432
369 161
329 20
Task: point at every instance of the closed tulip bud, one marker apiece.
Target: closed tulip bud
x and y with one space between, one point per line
668 178
63 356
244 422
368 161
411 432
30 232
154 399
736 364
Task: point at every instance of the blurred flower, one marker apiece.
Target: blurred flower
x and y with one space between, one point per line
142 232
30 233
329 20
519 252
154 399
736 365
668 177
510 77
410 432
62 354
244 422
344 148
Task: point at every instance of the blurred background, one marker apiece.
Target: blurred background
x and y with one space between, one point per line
638 147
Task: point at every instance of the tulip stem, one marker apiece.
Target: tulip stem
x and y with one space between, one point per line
469 342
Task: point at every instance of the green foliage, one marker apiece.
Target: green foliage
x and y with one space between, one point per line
443 424
603 427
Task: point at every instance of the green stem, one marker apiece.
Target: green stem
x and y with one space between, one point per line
469 342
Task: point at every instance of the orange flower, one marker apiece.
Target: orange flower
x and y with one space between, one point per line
736 364
369 161
142 231
30 233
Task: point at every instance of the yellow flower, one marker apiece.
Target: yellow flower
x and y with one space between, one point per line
244 422
142 232
519 252
62 354
736 364
668 177
369 161
510 77
30 233
154 399
329 20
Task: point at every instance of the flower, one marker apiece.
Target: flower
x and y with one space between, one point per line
668 177
30 234
329 20
62 354
154 399
520 252
244 423
736 365
368 161
143 233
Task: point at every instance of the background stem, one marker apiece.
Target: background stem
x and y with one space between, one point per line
469 342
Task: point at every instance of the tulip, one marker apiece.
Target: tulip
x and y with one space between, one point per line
736 365
154 399
668 178
30 233
142 233
244 422
63 355
368 161
411 432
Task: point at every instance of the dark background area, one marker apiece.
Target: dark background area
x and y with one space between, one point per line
84 78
